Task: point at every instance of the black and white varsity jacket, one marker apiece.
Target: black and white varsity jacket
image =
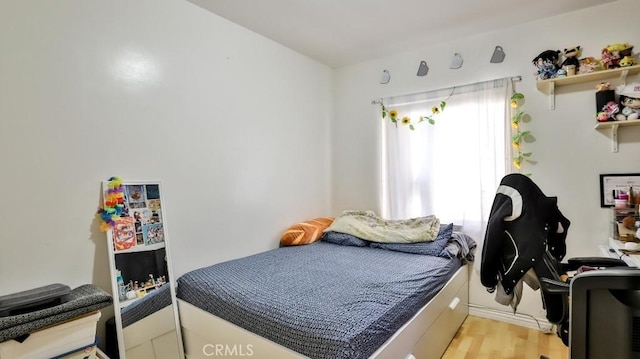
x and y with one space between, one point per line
523 224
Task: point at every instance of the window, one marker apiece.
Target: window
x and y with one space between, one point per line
450 169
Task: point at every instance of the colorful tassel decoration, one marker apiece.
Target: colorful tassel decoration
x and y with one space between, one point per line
113 204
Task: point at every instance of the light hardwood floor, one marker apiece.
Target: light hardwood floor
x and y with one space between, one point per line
481 338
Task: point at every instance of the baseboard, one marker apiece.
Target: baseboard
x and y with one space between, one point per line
516 319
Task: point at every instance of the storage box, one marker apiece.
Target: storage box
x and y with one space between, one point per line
604 97
55 340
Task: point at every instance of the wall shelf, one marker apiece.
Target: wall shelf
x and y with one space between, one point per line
614 125
548 86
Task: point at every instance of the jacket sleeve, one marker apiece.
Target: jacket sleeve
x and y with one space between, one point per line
557 235
493 241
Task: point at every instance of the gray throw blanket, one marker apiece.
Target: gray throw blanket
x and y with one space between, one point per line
82 300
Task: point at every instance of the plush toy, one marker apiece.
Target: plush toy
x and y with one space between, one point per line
589 65
608 112
627 61
630 102
611 109
546 64
612 54
602 116
571 58
631 109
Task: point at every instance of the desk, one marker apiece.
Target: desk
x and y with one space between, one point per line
632 260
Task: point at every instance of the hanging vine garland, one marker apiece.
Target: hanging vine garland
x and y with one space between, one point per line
406 120
517 100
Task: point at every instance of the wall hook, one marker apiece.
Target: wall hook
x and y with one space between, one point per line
456 61
498 55
423 69
384 79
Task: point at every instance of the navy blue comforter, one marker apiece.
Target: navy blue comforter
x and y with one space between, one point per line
322 300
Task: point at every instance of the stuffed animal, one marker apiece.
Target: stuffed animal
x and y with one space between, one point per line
546 64
612 54
630 102
589 65
627 61
610 109
571 58
602 116
631 109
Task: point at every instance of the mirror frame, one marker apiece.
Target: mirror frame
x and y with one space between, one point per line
112 268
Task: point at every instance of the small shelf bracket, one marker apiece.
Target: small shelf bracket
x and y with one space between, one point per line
623 78
614 138
552 96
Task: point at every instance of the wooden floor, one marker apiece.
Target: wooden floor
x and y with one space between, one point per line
480 338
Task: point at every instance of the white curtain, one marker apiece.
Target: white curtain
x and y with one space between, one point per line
450 169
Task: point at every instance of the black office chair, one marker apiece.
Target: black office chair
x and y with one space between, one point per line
526 231
555 286
605 314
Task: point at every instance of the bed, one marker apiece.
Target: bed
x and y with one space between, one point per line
334 298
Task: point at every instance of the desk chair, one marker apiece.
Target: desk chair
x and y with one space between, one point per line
605 314
555 287
526 233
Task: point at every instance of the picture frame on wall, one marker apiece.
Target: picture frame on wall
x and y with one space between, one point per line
612 183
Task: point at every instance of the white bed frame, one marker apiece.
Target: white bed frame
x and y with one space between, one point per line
425 336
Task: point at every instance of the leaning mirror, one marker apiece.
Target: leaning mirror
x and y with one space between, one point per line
145 309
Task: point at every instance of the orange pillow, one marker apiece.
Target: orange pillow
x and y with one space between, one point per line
305 232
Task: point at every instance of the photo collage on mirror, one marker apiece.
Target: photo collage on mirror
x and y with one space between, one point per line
141 219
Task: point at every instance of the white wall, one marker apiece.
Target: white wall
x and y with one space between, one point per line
570 153
234 125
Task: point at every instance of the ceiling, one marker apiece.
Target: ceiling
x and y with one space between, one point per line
343 32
